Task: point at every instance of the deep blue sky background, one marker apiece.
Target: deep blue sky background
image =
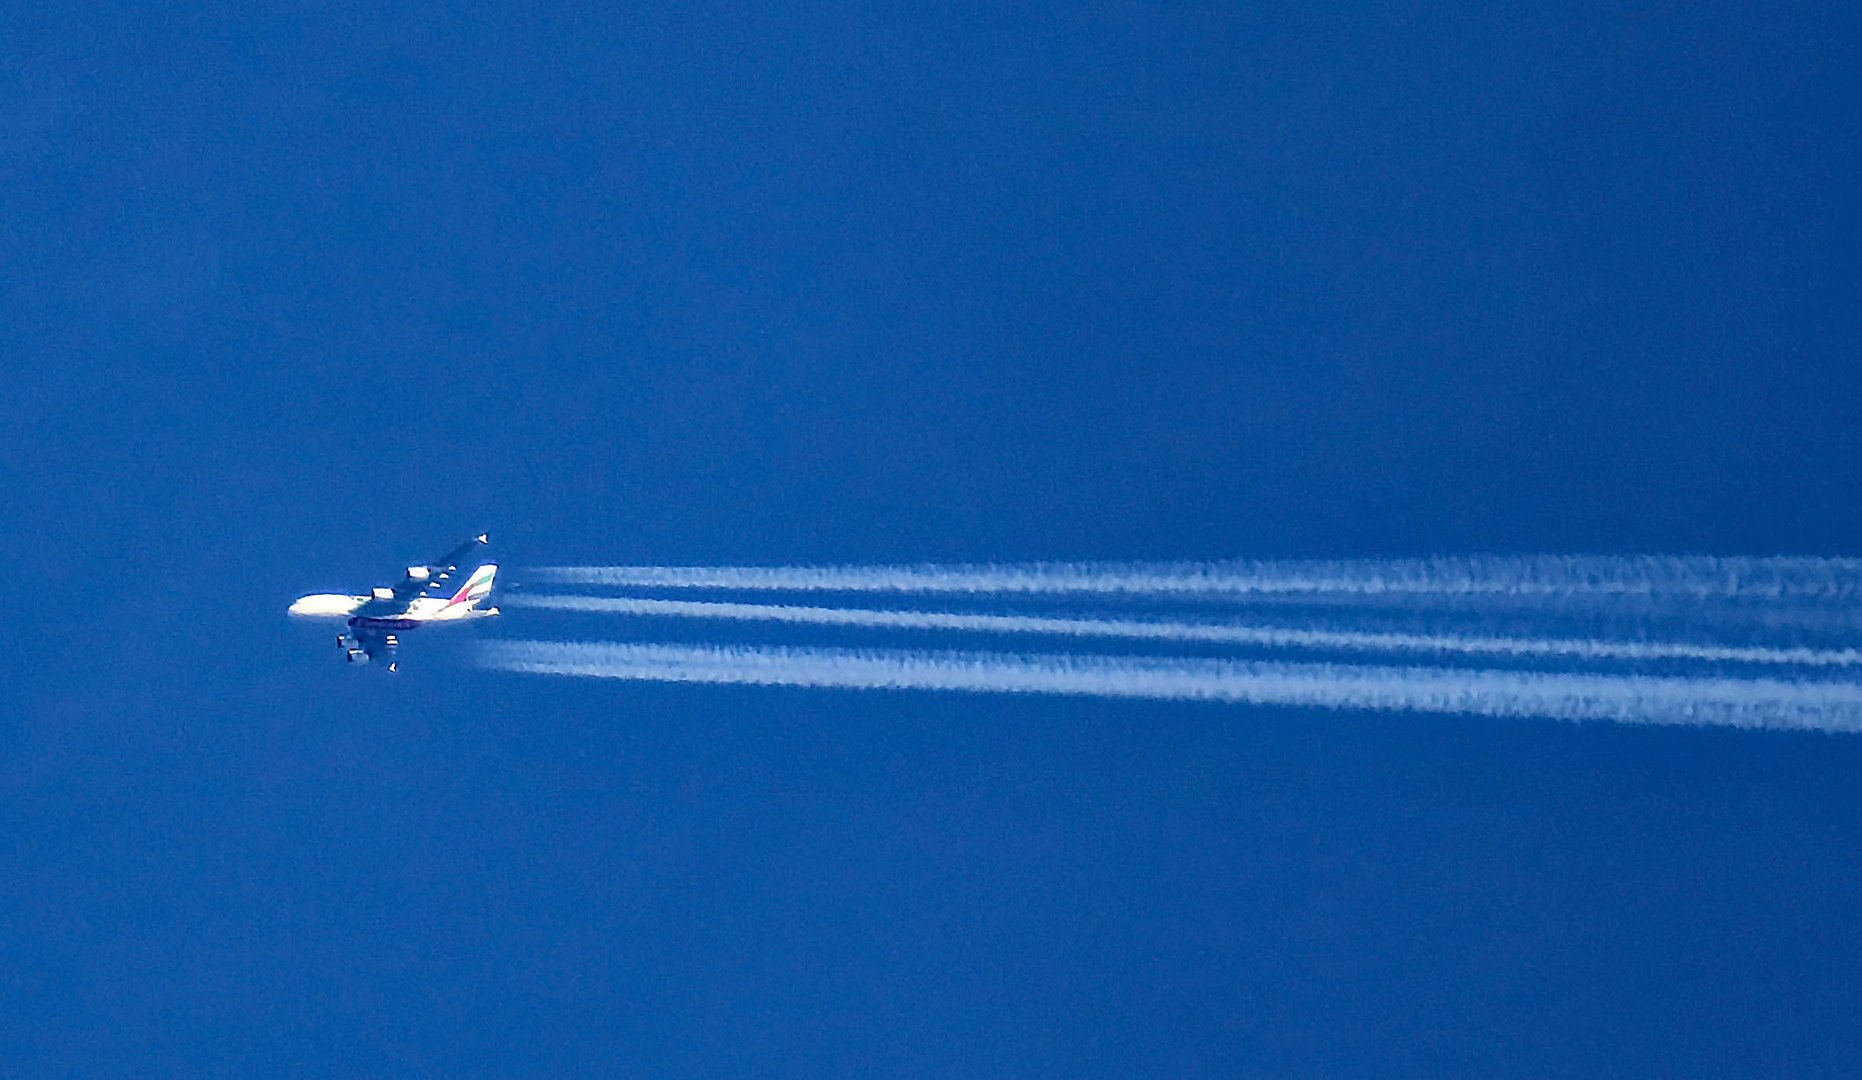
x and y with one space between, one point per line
289 300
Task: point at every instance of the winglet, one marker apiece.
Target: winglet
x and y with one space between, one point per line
484 538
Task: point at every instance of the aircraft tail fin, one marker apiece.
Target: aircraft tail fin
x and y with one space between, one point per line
477 587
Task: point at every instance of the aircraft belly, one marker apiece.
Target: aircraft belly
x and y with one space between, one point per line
370 623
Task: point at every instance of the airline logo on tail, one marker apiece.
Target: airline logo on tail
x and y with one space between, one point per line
477 587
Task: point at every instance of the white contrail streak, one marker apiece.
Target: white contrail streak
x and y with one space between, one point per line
1513 577
1745 703
1202 632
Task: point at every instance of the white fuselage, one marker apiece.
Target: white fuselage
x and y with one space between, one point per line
424 609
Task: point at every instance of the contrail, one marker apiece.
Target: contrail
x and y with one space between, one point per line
1508 577
1743 703
1205 633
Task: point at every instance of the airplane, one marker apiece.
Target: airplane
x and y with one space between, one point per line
375 619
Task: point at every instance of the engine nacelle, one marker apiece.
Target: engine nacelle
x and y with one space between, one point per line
418 573
357 656
383 592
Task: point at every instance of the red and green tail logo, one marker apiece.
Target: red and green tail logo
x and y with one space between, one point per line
477 587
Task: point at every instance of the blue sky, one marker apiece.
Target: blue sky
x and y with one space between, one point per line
294 298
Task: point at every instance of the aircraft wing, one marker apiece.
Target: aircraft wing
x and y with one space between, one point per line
418 580
378 644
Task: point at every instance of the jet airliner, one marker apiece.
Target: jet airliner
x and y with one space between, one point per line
376 620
